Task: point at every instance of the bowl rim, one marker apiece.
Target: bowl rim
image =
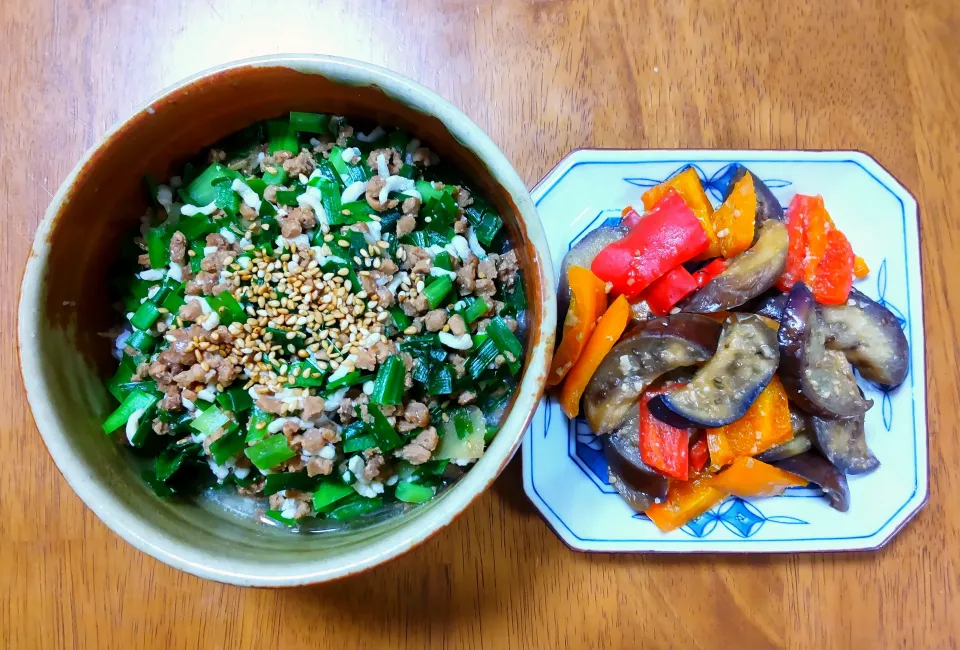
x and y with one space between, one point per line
175 552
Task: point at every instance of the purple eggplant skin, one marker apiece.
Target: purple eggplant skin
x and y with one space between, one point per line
800 443
818 380
724 388
770 304
817 469
768 207
639 485
747 276
583 254
639 359
871 338
844 443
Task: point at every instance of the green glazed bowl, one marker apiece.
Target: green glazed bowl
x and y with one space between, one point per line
64 306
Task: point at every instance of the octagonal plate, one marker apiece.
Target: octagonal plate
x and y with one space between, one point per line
563 468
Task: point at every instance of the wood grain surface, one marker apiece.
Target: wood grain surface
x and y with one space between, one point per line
541 77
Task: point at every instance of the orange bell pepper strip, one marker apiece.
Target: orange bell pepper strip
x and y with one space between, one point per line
734 221
604 337
749 477
687 183
833 279
686 500
587 303
766 424
860 268
699 455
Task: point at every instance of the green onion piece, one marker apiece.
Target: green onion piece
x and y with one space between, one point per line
307 375
337 122
130 386
427 191
399 139
413 493
515 300
159 488
388 386
353 173
279 518
269 452
227 446
350 379
330 198
441 380
329 493
463 423
227 308
382 430
235 399
202 191
490 434
442 260
282 137
227 200
286 338
359 444
168 286
158 247
506 342
257 424
326 170
141 341
124 374
400 319
442 212
353 510
135 401
290 481
408 171
278 177
196 226
438 290
484 219
309 122
481 358
145 316
288 197
477 308
209 421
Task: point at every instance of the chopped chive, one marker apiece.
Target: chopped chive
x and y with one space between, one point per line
438 290
209 421
329 493
382 430
506 342
388 386
135 401
412 493
355 509
282 137
269 452
309 122
145 316
235 399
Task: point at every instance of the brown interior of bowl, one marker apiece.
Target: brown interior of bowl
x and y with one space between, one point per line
105 200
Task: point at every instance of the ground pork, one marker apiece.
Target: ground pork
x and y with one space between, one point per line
414 256
411 207
312 408
171 399
458 326
394 162
508 267
459 363
425 157
374 185
191 311
436 319
204 283
270 193
317 466
406 225
415 416
463 197
372 469
160 427
485 288
296 221
388 266
415 305
467 275
488 267
419 450
178 247
269 404
368 284
366 360
460 225
466 397
302 163
384 297
383 349
346 132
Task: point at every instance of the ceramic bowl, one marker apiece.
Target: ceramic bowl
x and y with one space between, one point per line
64 305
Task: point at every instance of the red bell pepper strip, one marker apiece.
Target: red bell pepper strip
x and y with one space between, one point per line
629 217
709 272
669 289
667 236
699 455
797 247
833 279
663 447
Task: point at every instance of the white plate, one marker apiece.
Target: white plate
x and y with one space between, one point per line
564 473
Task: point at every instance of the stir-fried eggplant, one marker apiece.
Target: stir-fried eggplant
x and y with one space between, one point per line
640 485
748 275
870 337
770 304
660 346
817 469
844 443
582 254
800 443
768 207
725 387
818 380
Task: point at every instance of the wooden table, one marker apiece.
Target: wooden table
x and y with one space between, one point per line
541 78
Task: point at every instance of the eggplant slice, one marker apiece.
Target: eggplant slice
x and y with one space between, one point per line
724 388
768 207
844 443
770 304
818 380
800 443
749 274
660 346
583 254
819 470
870 337
640 485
